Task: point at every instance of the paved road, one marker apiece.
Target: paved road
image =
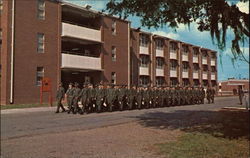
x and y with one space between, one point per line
19 124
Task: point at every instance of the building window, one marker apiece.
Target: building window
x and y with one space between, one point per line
173 82
113 78
185 82
159 63
144 80
39 75
144 61
173 65
205 83
185 66
196 67
196 52
41 9
185 50
213 68
196 82
213 56
113 27
160 81
205 68
173 47
144 40
159 44
1 6
204 54
40 43
113 53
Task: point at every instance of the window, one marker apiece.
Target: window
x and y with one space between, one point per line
144 40
205 83
40 43
196 67
173 82
113 78
144 80
159 63
196 82
1 6
213 68
185 50
41 9
195 52
144 61
205 68
39 75
113 53
159 44
173 65
204 54
213 56
185 66
113 27
173 47
160 81
185 82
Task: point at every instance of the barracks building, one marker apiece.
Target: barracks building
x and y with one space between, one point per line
71 43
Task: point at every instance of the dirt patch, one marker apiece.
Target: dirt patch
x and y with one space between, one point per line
129 140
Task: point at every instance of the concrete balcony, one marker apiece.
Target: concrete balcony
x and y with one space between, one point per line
195 59
144 50
173 73
213 62
144 71
81 62
195 75
159 53
185 74
159 72
213 76
204 75
80 32
204 60
173 55
184 57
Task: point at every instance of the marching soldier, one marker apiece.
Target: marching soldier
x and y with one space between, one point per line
59 97
212 94
203 95
132 97
100 97
208 94
76 96
139 97
111 97
240 93
84 98
92 98
69 96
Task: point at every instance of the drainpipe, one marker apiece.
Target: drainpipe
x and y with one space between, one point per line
129 54
12 51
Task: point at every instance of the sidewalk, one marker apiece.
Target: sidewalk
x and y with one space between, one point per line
27 110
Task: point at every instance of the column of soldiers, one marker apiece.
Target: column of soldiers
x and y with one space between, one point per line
119 97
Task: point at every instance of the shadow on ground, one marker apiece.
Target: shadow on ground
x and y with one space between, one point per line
226 124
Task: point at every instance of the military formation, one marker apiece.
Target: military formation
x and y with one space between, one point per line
88 99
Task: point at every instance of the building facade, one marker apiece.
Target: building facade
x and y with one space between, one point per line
230 86
70 43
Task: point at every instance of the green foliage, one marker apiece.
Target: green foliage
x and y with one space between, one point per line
199 145
216 16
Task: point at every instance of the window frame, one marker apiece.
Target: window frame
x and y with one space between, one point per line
40 43
41 9
39 75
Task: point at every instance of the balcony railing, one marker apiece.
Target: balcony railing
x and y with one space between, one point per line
185 74
159 72
213 76
195 75
144 50
173 73
184 57
81 32
204 60
81 62
144 71
195 59
213 62
204 75
173 55
159 53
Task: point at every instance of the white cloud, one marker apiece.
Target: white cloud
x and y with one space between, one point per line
244 7
165 34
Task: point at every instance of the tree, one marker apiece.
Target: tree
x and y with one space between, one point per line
215 16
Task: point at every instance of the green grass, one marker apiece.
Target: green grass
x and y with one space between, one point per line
202 145
21 106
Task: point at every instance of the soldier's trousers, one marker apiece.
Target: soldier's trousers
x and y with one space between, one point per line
75 105
59 105
70 102
131 102
99 103
139 102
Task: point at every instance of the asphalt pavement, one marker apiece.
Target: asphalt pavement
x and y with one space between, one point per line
17 123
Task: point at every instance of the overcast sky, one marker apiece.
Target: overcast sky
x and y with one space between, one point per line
193 36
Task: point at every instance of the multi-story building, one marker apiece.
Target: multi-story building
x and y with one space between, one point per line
71 43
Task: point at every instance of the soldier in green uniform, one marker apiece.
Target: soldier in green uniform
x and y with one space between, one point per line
132 97
100 97
59 97
84 97
139 97
203 95
120 96
69 96
146 97
212 94
240 93
111 97
92 98
208 94
76 97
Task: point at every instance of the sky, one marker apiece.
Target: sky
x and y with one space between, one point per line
226 69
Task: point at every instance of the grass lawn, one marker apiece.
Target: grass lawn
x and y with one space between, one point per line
18 106
200 145
225 134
